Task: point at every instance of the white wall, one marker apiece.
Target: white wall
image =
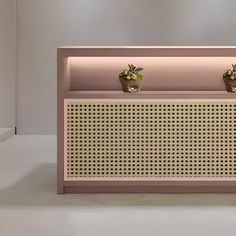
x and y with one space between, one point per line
7 62
43 25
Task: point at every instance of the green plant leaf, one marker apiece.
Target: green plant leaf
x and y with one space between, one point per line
139 76
234 67
138 69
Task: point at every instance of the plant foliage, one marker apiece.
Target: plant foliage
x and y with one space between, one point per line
132 72
230 73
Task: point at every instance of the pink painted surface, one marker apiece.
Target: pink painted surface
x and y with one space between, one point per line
149 189
178 182
160 73
149 51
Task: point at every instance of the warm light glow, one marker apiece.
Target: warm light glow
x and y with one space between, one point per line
160 73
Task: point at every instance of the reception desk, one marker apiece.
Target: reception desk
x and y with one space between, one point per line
176 135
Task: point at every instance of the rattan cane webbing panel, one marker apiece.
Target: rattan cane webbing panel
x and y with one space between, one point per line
115 138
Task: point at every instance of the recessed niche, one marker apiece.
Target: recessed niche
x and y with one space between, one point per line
160 73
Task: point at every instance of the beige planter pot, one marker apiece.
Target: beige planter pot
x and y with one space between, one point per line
131 86
230 85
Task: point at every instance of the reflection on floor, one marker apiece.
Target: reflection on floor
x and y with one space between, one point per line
29 204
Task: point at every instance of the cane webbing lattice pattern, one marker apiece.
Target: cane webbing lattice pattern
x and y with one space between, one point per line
146 138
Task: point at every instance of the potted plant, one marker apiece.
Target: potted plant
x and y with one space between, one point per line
131 78
230 79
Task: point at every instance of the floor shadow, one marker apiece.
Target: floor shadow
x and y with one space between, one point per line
38 188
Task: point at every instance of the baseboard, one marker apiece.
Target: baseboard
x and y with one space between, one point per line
149 189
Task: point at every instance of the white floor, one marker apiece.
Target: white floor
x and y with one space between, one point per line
29 204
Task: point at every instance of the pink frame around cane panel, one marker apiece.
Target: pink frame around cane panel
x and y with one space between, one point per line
90 73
